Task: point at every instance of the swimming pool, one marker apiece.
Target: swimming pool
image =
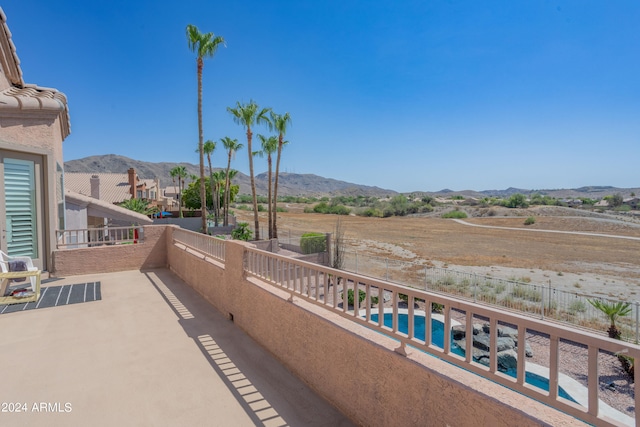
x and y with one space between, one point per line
437 339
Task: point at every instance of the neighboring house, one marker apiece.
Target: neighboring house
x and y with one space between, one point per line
633 202
34 121
91 199
113 187
87 212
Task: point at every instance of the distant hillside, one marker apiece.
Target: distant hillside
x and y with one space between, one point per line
289 184
293 184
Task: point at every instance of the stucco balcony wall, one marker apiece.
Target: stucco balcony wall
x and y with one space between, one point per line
152 253
354 368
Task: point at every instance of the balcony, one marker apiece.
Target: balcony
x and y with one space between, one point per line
151 351
174 306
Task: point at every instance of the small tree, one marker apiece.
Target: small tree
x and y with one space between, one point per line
312 243
612 310
242 232
616 200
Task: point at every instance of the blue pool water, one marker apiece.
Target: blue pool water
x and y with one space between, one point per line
437 339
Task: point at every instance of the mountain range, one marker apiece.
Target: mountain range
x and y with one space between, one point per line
294 184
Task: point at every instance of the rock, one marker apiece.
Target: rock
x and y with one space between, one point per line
458 332
477 328
483 361
507 359
527 350
505 331
486 328
481 341
503 343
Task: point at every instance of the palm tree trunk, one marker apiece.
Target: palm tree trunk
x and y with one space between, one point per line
203 191
227 192
180 185
256 222
275 188
269 200
213 194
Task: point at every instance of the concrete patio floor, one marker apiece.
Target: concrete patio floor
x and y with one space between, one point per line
151 352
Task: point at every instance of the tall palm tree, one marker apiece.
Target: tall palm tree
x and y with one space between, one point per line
280 123
179 172
248 115
217 181
231 145
208 148
269 146
204 45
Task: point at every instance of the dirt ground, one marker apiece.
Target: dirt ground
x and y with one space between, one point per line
594 265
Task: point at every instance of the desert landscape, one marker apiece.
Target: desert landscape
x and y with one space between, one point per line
550 251
574 250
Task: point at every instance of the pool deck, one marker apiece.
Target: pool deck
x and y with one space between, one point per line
150 352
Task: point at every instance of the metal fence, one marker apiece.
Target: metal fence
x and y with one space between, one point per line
541 300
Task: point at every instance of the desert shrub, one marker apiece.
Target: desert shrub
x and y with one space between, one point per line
527 293
577 306
339 210
405 298
312 243
500 288
361 296
454 214
426 208
529 221
242 232
371 212
261 208
623 208
516 201
324 208
488 296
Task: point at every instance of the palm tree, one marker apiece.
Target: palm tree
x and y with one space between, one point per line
248 115
139 205
612 310
269 146
232 174
231 145
279 122
179 172
209 147
204 45
216 182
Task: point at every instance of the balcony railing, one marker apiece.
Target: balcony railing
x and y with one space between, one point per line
326 287
85 238
208 245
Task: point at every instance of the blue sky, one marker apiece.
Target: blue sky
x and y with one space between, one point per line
404 95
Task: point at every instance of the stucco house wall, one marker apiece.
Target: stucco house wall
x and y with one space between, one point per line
34 121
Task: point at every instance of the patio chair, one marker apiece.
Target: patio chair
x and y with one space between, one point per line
16 269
